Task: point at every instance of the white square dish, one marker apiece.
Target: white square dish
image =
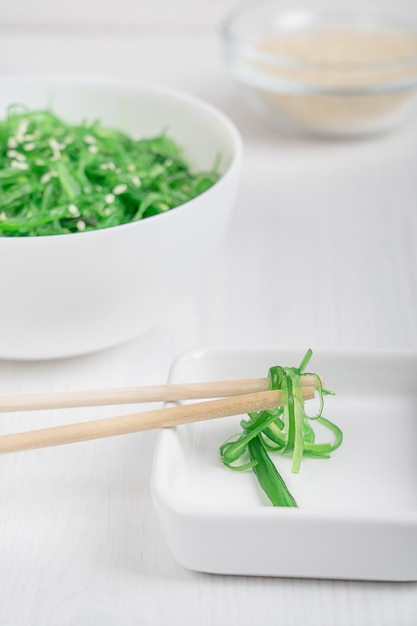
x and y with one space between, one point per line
357 511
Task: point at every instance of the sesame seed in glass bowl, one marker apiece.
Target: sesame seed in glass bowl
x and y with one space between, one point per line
327 70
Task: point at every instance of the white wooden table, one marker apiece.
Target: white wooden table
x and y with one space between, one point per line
321 252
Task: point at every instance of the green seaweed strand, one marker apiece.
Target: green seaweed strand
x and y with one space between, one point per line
58 178
284 430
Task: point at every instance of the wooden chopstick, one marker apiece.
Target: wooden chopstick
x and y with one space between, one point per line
147 420
131 395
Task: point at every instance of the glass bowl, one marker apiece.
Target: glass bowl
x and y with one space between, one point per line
325 70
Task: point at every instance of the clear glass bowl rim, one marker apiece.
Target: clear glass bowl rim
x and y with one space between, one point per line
238 48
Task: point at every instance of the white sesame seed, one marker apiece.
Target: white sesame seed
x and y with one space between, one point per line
28 147
12 142
109 198
119 189
107 211
3 216
89 139
13 154
93 149
73 209
31 136
81 225
136 181
107 166
131 167
18 165
55 147
45 178
21 131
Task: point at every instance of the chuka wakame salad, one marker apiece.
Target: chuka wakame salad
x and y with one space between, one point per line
284 430
58 178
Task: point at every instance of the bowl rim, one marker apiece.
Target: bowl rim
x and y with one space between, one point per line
250 52
80 80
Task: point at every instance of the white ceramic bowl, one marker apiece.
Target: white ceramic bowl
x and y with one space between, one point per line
65 295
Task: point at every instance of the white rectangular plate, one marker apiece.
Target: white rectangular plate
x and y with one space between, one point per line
357 511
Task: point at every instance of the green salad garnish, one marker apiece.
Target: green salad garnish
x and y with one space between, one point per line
58 178
284 430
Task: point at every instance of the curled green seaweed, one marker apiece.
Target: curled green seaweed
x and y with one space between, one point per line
58 178
284 430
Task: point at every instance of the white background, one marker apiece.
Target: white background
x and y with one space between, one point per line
321 252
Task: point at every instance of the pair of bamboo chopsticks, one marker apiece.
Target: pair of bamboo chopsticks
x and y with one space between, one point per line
233 397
